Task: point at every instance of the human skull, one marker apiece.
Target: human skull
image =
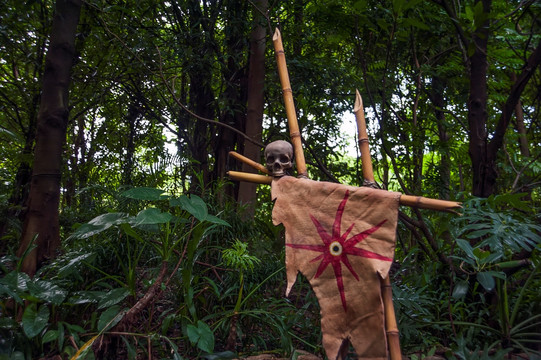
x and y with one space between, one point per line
279 157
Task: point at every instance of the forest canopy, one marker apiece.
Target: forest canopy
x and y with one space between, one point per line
118 217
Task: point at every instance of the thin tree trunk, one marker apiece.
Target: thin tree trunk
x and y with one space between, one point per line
234 96
201 96
132 119
42 217
521 129
255 103
445 161
477 107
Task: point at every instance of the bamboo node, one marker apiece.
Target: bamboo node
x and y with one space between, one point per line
295 134
278 52
363 140
287 90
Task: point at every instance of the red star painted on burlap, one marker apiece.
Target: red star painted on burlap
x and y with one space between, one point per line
337 247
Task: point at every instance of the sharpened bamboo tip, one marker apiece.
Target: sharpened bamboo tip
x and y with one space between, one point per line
250 162
358 101
276 35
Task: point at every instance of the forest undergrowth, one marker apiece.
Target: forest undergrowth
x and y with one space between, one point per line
147 274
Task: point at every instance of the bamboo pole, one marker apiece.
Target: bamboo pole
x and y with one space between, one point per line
249 177
250 162
407 200
428 203
391 326
287 93
364 145
368 172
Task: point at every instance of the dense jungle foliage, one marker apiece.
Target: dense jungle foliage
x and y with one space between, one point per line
122 237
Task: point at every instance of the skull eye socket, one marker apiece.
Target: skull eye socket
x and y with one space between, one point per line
284 159
270 159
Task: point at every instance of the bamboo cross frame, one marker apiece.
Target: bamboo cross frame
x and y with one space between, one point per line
368 175
391 326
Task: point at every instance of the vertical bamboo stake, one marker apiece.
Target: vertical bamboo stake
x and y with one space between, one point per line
287 93
386 290
364 146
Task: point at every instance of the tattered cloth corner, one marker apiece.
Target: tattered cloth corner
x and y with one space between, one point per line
342 239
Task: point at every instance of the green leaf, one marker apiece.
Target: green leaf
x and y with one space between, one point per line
110 318
215 220
486 280
6 290
113 297
460 290
73 263
195 206
16 281
145 193
202 336
416 23
85 297
481 254
47 291
50 335
108 219
61 332
465 245
34 320
152 216
99 224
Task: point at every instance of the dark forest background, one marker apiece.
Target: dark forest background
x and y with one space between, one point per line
121 235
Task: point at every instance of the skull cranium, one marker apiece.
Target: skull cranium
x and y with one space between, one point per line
279 157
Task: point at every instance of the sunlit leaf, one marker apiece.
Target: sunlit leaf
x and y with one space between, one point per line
195 206
152 216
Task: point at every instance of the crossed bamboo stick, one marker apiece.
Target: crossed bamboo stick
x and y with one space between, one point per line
368 174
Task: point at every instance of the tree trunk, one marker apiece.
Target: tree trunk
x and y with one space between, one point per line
521 129
255 103
483 152
234 96
477 109
132 120
445 162
42 216
201 96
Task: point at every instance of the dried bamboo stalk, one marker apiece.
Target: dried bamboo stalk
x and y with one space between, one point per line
391 326
428 203
250 162
249 177
407 200
287 93
364 145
